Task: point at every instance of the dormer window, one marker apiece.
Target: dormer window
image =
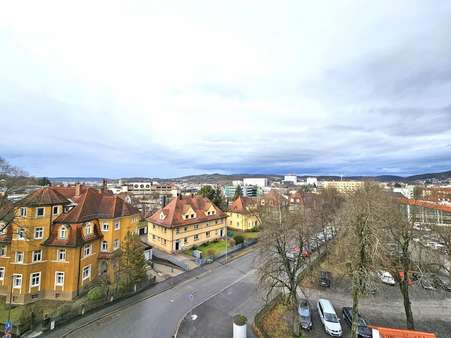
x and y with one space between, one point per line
88 229
162 216
63 231
192 215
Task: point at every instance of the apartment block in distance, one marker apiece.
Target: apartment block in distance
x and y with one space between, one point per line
60 240
343 186
184 222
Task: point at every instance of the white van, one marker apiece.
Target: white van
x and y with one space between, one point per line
329 318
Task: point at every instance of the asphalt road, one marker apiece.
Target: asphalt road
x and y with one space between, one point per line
159 316
214 318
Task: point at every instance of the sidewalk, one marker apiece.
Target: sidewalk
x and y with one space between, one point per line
170 283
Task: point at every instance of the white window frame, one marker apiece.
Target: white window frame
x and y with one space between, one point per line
42 233
23 212
57 208
17 277
21 234
87 250
2 272
86 268
102 248
117 225
43 212
116 244
62 232
19 254
105 227
88 229
63 252
57 273
3 250
37 252
33 276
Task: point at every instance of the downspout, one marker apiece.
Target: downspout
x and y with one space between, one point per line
79 270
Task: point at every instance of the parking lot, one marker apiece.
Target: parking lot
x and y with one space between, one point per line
431 309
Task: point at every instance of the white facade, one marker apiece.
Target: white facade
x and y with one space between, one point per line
291 178
236 183
260 182
312 181
407 191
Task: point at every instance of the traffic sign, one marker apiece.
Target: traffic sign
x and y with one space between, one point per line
8 326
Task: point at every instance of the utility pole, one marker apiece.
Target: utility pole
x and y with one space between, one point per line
226 240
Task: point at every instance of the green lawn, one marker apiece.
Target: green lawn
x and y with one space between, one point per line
249 235
218 247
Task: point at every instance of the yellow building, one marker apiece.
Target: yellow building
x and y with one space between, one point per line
184 222
241 215
60 240
343 186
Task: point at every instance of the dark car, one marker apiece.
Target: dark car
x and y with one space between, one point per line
363 330
440 282
324 279
305 315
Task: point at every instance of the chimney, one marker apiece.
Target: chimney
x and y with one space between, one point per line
77 189
104 185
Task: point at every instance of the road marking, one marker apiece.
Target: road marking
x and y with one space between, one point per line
210 297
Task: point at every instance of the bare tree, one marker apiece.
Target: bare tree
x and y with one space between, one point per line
362 217
444 233
280 253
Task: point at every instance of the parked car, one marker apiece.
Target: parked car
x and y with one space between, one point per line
324 279
442 283
305 315
329 318
363 330
427 284
386 277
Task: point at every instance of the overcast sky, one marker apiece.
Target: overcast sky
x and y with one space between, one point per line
169 88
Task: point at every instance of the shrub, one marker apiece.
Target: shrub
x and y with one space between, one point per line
240 320
210 252
238 239
232 242
194 247
96 293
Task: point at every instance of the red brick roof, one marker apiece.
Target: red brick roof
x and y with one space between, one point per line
174 210
43 197
93 204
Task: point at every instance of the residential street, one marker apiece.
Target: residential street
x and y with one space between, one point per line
159 315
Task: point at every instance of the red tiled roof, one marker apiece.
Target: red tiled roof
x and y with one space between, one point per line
426 204
175 209
43 197
93 204
242 204
74 236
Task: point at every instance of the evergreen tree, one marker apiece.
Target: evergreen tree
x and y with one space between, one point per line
132 261
214 195
238 192
43 181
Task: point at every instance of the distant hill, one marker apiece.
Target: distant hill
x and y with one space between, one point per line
227 179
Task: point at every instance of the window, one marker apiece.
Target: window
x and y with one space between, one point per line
59 278
117 225
2 273
86 272
116 244
88 229
196 226
19 257
35 279
105 227
185 240
17 281
3 250
63 231
61 255
230 222
186 229
87 250
23 212
55 210
40 212
196 237
207 234
177 231
192 215
104 246
38 233
21 233
153 237
37 256
3 229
